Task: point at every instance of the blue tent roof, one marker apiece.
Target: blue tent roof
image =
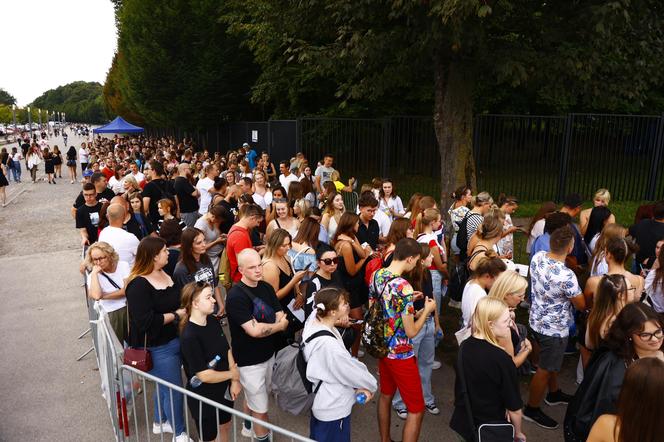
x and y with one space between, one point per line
118 126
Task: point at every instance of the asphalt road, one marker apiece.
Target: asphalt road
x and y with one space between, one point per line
48 396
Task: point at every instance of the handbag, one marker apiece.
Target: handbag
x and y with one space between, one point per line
139 358
261 312
489 431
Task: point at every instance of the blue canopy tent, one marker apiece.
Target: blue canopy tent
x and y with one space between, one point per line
118 126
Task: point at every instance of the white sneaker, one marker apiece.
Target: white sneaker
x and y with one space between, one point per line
182 437
436 365
247 432
161 428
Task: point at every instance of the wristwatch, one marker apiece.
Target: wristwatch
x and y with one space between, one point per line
177 317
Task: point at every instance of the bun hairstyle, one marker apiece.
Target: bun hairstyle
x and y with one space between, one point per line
460 192
507 199
481 199
189 294
490 264
328 299
620 249
426 217
491 227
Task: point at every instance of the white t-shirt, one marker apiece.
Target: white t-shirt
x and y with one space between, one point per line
82 155
205 199
116 185
537 231
139 177
286 180
472 294
263 200
325 174
124 243
392 203
121 272
656 294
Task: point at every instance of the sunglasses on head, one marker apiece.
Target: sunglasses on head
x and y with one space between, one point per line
330 261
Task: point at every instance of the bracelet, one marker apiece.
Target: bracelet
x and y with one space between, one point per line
177 317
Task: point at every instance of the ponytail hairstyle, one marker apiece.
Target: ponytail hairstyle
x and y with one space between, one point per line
190 293
487 310
491 227
607 303
490 264
482 198
609 232
328 299
419 274
460 192
426 217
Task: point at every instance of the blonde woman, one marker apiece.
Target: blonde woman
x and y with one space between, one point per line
106 280
510 287
334 208
426 225
602 198
491 373
262 195
283 220
598 264
130 185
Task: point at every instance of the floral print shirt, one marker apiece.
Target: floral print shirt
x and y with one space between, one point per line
397 299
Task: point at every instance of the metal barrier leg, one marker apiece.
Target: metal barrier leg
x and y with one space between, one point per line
84 333
85 354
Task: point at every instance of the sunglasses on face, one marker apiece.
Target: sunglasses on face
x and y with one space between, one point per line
330 261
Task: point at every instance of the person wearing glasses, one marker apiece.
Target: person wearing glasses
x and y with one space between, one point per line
105 283
326 276
635 334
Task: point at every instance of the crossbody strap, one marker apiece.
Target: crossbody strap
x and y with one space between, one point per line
113 283
464 391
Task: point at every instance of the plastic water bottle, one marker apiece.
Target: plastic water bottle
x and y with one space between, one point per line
195 382
361 398
438 337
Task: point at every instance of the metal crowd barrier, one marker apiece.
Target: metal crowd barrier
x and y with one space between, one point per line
128 393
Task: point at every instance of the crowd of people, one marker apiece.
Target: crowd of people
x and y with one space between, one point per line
185 246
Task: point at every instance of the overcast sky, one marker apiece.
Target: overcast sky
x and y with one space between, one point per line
49 43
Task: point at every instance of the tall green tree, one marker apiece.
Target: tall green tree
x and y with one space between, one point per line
81 101
6 97
178 65
467 55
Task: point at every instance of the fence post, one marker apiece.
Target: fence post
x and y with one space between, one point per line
298 134
653 176
564 156
386 123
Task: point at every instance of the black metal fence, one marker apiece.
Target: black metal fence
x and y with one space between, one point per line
531 157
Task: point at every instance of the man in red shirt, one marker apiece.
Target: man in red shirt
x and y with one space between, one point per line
109 168
238 238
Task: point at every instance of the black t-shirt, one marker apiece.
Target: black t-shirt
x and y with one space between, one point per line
199 345
317 283
156 190
133 226
204 272
239 307
183 190
107 194
146 307
87 217
173 258
646 233
232 211
369 234
492 383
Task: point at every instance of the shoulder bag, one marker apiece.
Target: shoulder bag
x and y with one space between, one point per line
139 358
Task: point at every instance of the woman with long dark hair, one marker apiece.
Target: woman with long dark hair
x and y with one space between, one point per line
352 258
71 164
638 418
57 161
195 265
635 334
655 280
154 310
599 217
536 227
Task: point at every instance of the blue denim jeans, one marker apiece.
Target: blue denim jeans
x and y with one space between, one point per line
439 290
166 362
16 171
424 345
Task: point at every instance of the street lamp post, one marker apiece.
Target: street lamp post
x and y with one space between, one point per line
14 119
30 123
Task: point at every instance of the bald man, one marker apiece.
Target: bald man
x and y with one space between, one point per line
124 243
186 196
254 315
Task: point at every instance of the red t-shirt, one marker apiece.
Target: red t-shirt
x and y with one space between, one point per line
238 240
108 173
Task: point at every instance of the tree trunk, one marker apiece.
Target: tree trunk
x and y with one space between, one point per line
453 123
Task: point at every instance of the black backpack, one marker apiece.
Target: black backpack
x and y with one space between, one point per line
462 235
459 275
167 190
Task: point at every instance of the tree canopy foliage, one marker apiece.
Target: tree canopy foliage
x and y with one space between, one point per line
81 101
177 65
6 98
459 57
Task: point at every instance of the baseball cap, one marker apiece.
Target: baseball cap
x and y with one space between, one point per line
245 145
87 173
573 200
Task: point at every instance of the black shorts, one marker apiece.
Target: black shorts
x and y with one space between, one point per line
208 419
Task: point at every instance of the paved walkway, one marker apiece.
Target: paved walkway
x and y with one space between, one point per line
49 396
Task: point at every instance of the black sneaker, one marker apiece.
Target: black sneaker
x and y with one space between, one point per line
536 416
557 398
